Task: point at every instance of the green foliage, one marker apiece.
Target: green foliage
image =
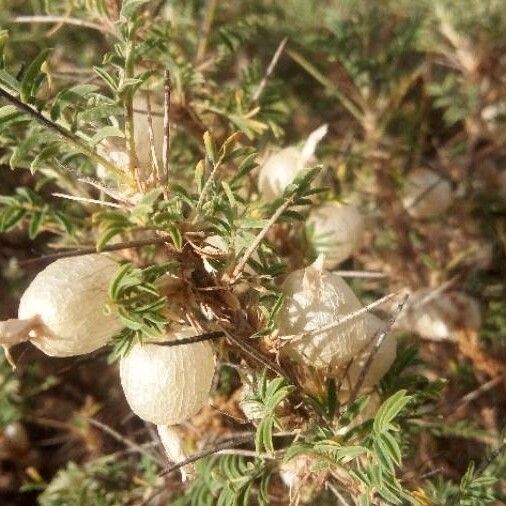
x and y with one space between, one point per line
263 400
28 206
138 303
102 482
400 84
230 480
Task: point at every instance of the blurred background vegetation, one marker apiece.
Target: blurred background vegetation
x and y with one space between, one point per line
402 84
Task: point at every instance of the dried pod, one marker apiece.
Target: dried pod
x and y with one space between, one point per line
316 299
281 168
426 194
173 444
334 230
439 317
165 385
62 312
381 361
115 151
141 131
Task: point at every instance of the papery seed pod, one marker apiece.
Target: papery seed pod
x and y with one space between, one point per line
439 317
166 385
381 362
62 312
335 230
315 299
426 194
281 168
173 444
116 152
141 131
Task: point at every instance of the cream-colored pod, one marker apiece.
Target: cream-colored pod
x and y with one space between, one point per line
381 362
316 299
173 444
426 194
166 385
281 168
115 151
67 300
335 230
439 317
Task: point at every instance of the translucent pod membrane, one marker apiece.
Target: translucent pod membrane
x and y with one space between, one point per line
335 230
381 361
69 298
315 299
439 317
115 151
426 194
281 168
173 444
166 385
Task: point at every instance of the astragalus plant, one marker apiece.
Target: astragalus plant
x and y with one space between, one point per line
189 176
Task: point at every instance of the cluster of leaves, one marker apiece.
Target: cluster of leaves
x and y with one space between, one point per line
138 303
104 481
27 205
229 480
262 403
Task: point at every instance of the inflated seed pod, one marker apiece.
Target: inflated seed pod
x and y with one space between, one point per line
115 151
281 168
165 385
426 194
334 230
141 131
440 317
62 312
316 298
381 362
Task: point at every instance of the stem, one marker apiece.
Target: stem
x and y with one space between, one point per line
166 127
129 114
348 317
127 442
93 249
209 451
258 239
206 29
64 20
66 136
379 338
189 340
270 70
154 158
